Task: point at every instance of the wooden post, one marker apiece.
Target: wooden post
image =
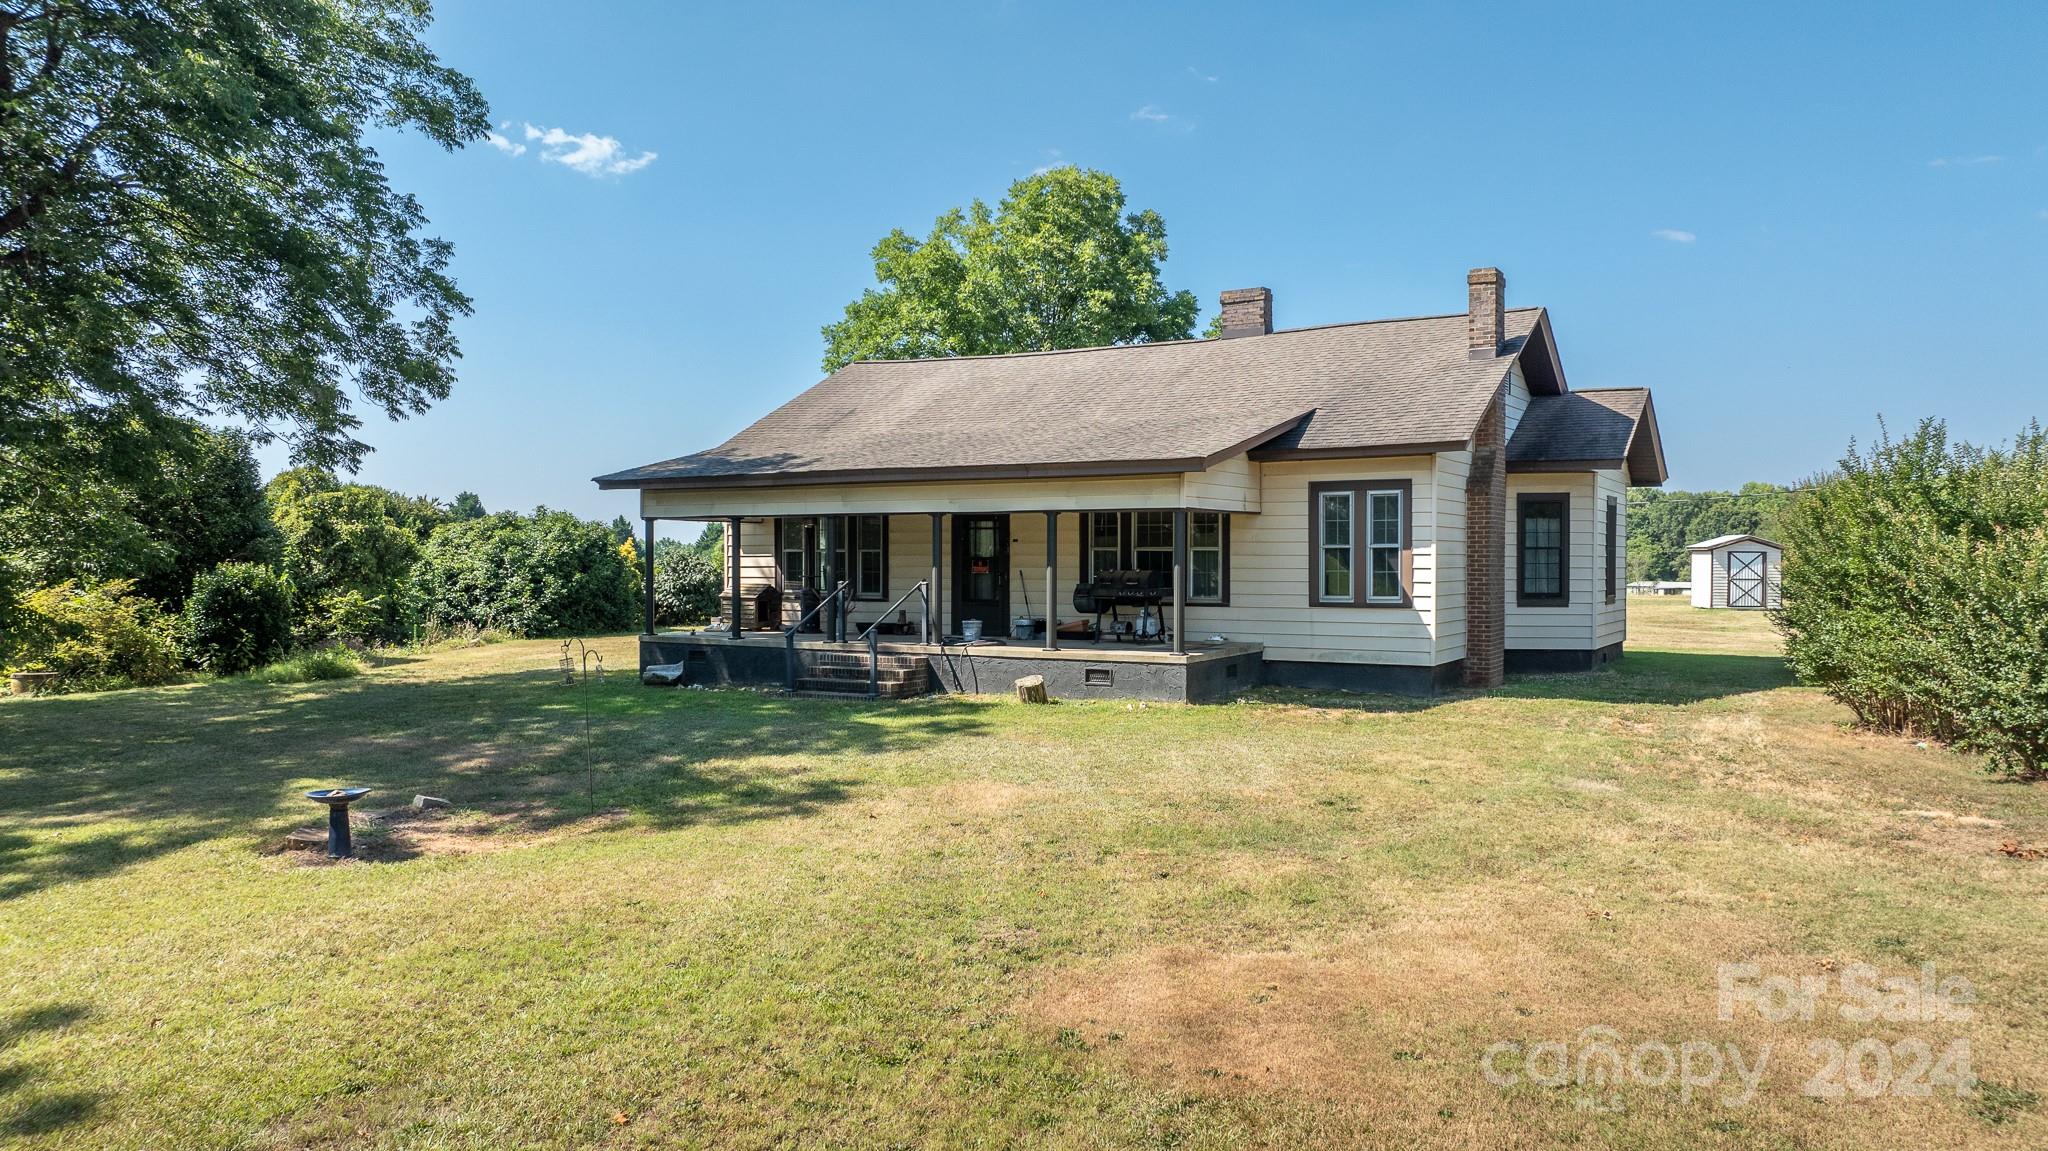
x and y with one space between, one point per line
1180 577
1052 591
732 538
834 612
932 600
647 575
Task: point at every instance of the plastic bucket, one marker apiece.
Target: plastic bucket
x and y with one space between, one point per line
970 630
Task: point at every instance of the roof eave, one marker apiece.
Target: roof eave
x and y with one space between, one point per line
1366 451
1100 468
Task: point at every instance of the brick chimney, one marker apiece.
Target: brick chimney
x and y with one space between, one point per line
1486 288
1247 312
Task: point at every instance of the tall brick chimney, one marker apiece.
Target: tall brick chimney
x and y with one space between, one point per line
1486 289
1247 312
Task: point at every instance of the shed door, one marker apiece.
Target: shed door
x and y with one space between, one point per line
1745 579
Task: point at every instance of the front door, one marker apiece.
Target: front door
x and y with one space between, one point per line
1745 579
981 572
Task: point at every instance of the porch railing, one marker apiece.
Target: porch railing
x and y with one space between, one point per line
924 631
840 595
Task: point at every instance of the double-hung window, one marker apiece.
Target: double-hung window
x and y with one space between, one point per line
1613 544
1337 554
1112 541
1152 541
1383 541
862 559
1360 545
868 549
1543 550
794 553
1103 532
1205 557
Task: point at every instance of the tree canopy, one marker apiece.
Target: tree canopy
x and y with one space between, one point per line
1056 264
191 223
1663 525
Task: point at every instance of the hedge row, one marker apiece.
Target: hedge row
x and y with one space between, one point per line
1916 592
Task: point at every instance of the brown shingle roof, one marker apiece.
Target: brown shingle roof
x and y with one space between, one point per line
1595 425
1165 406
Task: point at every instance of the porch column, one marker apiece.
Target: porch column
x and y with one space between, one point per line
1180 578
834 610
647 576
932 605
1052 590
732 535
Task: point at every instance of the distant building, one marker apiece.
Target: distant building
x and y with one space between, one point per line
1739 571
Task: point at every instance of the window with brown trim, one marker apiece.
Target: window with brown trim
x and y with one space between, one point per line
1112 541
1613 507
862 559
1543 566
1361 546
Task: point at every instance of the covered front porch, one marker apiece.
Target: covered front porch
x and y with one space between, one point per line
1076 669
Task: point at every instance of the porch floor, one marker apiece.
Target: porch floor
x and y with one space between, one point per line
1091 651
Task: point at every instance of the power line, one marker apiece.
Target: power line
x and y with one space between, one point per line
1691 497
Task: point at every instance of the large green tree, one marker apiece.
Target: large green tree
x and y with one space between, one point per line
349 549
192 223
1057 264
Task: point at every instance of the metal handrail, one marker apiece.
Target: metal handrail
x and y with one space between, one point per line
839 594
919 589
924 622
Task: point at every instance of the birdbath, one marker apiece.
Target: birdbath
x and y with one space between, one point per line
337 800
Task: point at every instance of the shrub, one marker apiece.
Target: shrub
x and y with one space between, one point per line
311 666
544 574
1916 592
686 586
96 637
238 616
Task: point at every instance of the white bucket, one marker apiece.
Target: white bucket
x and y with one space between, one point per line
1022 627
970 630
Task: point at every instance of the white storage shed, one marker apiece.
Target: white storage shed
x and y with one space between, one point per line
1739 571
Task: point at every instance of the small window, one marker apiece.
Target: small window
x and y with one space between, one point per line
1543 553
1383 544
1152 541
1613 536
1333 518
1105 542
870 556
792 553
1205 557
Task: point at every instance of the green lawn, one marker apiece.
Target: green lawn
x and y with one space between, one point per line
725 919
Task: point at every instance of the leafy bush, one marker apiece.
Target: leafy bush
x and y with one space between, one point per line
238 616
686 585
334 662
544 574
348 549
1916 592
97 637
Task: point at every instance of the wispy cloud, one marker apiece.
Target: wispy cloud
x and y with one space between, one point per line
1151 114
588 153
1198 74
1962 161
504 143
1053 159
1675 235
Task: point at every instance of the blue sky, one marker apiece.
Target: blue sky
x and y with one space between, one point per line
1785 219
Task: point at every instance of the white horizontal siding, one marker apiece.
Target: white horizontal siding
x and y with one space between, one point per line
1229 486
1610 620
1269 574
1517 400
1569 627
